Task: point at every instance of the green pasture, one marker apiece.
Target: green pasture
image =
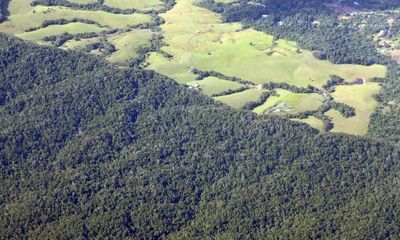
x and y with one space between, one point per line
197 38
127 43
23 16
213 85
300 102
238 100
313 122
361 97
79 44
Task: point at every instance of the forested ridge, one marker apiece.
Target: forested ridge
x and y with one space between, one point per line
89 151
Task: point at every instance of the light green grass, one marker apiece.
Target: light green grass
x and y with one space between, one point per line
300 102
197 38
127 43
361 98
79 44
313 122
136 4
213 85
23 16
238 100
172 69
53 30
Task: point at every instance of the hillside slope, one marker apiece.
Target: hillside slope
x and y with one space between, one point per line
89 151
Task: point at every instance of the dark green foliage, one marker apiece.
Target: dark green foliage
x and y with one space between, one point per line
204 74
344 109
89 151
103 45
320 55
272 86
59 40
385 122
230 91
332 82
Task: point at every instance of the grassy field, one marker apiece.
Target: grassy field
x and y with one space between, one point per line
299 102
53 30
79 44
238 100
197 38
179 72
136 4
361 98
213 85
313 122
23 16
127 43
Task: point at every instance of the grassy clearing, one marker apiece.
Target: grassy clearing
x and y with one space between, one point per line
79 44
197 38
172 69
238 100
361 98
127 43
299 102
136 4
213 85
23 16
313 122
53 30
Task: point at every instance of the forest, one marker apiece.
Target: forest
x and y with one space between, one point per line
91 151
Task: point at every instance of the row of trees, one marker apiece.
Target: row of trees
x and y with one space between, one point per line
292 88
61 21
99 5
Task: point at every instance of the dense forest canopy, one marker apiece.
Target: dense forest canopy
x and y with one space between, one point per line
90 151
